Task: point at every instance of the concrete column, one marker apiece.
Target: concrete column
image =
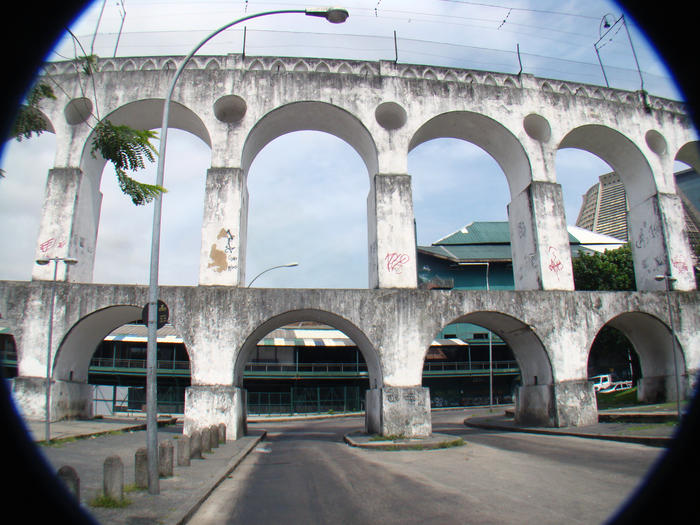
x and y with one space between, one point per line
206 405
662 388
224 228
563 404
534 406
69 221
659 243
69 399
398 411
539 239
575 404
391 233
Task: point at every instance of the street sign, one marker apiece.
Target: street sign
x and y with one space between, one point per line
162 316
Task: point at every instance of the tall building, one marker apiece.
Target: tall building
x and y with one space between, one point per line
604 208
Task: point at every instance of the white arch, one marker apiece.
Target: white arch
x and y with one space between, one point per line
623 155
529 352
314 116
364 345
487 133
144 114
72 359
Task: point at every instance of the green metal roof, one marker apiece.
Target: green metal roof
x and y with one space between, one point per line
483 252
496 232
490 241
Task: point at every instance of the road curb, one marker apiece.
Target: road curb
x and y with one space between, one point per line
432 442
185 511
652 441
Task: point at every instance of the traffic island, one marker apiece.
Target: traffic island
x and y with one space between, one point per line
378 442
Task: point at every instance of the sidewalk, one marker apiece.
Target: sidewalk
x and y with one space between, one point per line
86 444
631 425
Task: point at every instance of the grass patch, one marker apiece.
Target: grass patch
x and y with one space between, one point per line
62 441
131 487
449 444
617 399
106 502
391 437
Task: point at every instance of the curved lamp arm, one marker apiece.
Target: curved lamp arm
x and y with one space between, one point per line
288 265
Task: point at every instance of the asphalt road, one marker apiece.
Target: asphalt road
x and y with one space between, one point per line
304 473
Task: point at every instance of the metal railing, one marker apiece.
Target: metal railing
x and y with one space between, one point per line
163 364
465 366
307 368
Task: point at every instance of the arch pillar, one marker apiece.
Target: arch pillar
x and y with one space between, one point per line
539 239
224 228
657 226
391 232
207 405
69 221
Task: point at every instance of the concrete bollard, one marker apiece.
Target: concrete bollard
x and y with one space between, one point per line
206 440
222 433
183 451
71 480
214 436
196 445
141 468
165 459
113 483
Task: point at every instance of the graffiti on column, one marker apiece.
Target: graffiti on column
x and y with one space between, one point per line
226 259
51 243
395 261
679 264
522 230
555 264
646 233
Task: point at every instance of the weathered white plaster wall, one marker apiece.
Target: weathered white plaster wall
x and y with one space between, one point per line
383 110
550 333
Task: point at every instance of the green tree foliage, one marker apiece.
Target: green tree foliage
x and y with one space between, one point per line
29 118
610 270
126 148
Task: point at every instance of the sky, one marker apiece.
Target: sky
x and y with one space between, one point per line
303 207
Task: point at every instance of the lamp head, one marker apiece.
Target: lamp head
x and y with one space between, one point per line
335 15
662 277
42 262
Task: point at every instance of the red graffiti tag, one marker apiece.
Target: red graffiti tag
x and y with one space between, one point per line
555 265
679 264
47 245
395 261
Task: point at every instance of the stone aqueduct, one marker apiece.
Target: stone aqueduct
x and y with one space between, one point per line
383 110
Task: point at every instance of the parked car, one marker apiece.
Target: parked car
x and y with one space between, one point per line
601 382
619 385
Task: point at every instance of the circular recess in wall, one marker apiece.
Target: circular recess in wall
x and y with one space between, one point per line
656 142
78 111
390 115
537 127
230 108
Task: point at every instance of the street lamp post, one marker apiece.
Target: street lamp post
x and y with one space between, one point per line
668 280
333 15
43 262
288 265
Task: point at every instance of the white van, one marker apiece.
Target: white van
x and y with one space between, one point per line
601 382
